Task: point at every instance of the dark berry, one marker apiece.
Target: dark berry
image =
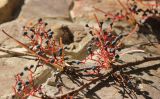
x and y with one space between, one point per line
41 34
36 59
120 36
25 33
112 50
27 83
101 24
155 11
40 20
66 58
49 36
38 46
144 14
25 68
60 52
39 52
113 42
19 83
20 87
139 10
46 24
32 29
21 74
30 47
52 60
18 90
49 30
90 32
32 36
111 24
107 43
94 67
51 33
47 41
117 56
87 25
31 66
77 62
89 50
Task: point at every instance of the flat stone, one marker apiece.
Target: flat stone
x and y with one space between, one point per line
47 8
83 9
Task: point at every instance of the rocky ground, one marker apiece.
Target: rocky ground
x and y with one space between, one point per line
74 14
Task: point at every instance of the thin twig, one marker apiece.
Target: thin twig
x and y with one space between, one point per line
15 53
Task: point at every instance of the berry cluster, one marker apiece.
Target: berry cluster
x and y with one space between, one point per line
134 8
43 44
24 88
46 50
107 43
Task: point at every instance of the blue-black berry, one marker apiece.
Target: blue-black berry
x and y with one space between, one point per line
52 60
31 66
25 33
21 74
27 83
26 68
